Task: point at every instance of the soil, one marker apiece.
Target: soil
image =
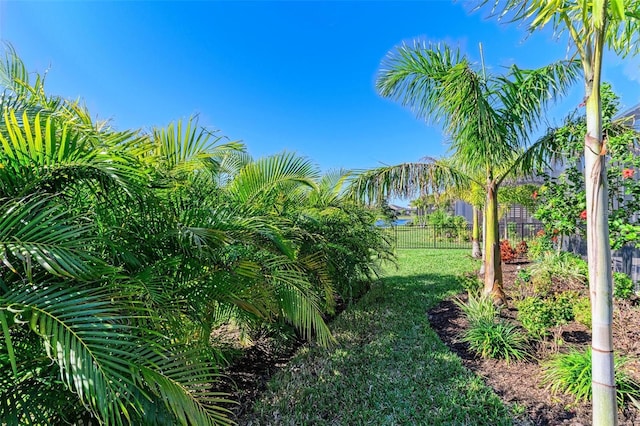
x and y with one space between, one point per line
518 383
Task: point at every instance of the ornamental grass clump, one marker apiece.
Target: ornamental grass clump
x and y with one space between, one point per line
497 339
488 336
570 374
478 308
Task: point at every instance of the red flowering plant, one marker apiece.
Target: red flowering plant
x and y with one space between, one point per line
562 204
628 173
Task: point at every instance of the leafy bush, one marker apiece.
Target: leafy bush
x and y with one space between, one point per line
507 253
479 308
623 287
537 315
570 374
539 246
491 339
582 311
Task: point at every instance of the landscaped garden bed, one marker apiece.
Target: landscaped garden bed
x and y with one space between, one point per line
521 383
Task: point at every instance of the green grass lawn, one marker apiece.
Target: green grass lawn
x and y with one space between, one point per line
389 367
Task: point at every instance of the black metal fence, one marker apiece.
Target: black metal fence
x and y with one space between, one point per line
447 237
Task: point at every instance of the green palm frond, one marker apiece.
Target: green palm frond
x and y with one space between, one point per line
524 93
36 231
184 147
265 177
45 153
404 180
298 301
85 336
183 383
330 188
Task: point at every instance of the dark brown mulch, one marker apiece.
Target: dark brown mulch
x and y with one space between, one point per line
519 382
248 375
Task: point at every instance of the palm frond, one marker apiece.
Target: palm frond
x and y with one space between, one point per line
87 339
404 180
36 231
262 177
183 383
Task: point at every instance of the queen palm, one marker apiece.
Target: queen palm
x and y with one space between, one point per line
488 118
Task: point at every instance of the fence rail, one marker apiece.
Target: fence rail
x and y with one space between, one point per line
448 237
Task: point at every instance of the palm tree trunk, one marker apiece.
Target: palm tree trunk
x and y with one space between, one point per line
492 261
598 248
476 252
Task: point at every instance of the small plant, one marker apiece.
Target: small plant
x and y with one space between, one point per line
539 246
507 253
522 248
491 339
582 311
470 282
523 287
623 287
537 315
570 374
479 308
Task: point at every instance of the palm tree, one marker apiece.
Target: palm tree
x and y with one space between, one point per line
77 343
487 117
592 27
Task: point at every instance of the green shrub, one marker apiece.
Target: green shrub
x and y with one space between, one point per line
623 287
570 374
563 304
582 311
478 308
539 246
491 339
537 315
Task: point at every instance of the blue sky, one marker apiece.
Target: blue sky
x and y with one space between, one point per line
296 76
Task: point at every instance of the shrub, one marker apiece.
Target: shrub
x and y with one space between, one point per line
570 374
539 246
582 311
523 286
522 248
561 266
623 287
507 253
537 315
502 340
479 308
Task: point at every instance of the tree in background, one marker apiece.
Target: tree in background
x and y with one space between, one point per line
592 27
488 118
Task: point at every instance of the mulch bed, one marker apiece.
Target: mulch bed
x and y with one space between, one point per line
519 382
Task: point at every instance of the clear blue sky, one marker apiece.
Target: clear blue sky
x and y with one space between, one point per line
296 76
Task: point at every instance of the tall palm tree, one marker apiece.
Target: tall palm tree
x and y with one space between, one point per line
488 117
592 27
